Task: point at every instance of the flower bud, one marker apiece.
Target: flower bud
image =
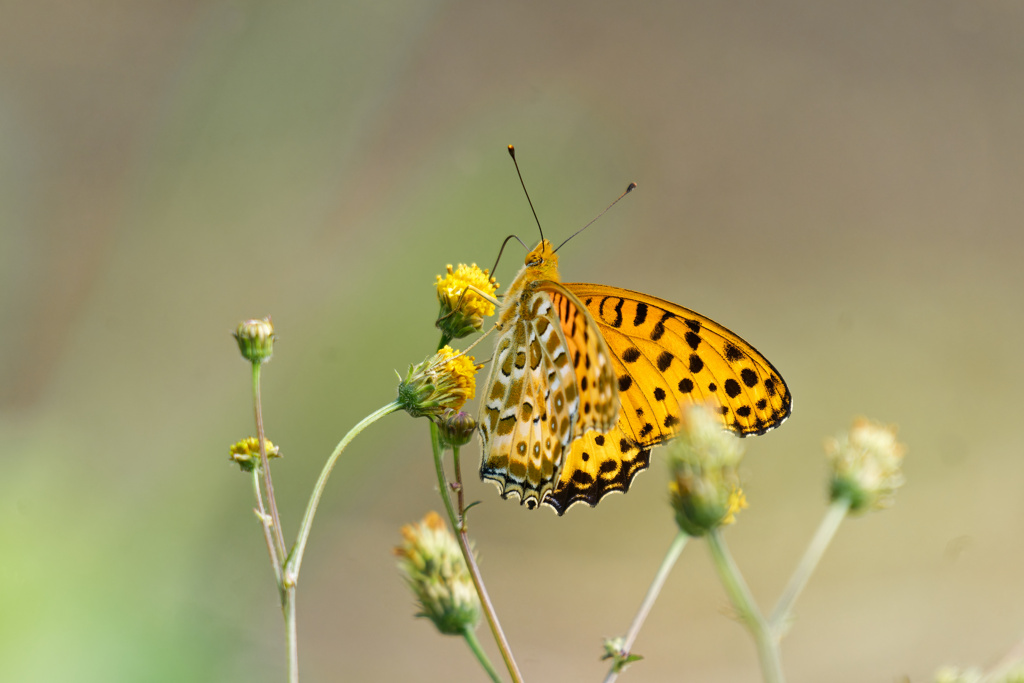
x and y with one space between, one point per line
865 465
703 463
457 428
444 381
435 570
255 339
247 453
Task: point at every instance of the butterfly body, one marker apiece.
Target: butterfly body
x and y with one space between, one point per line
586 378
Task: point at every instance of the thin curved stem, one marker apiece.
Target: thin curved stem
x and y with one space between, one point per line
291 574
481 656
458 488
743 601
278 540
268 483
822 537
669 561
265 525
458 523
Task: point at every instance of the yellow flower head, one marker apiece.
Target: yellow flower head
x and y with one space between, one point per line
452 286
433 566
462 307
247 452
704 461
865 463
445 381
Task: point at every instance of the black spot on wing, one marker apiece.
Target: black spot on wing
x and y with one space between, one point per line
732 354
659 327
665 360
641 314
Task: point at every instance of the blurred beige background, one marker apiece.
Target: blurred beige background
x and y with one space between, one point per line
840 182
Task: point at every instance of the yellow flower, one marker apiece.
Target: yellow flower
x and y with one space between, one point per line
703 462
445 381
463 309
247 452
865 463
737 502
452 286
433 566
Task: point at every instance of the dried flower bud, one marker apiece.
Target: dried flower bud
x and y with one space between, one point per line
703 463
865 464
247 453
255 339
457 428
444 381
435 570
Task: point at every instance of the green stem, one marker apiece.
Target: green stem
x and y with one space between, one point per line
265 466
265 524
458 523
458 483
291 574
669 561
743 601
481 656
293 641
822 537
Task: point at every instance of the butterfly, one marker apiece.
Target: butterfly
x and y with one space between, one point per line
587 378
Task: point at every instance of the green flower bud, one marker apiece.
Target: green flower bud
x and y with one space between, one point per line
457 428
435 570
703 463
865 465
255 339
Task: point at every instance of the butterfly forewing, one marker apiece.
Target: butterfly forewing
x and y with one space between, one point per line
666 355
530 412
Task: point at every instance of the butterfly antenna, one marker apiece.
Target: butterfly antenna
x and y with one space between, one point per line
516 238
512 153
630 188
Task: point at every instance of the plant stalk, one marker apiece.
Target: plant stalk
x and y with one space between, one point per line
822 537
268 483
743 601
294 564
481 656
669 561
458 523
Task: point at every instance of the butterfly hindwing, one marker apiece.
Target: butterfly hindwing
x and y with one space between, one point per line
529 414
596 465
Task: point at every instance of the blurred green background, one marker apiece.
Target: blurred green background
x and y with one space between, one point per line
840 182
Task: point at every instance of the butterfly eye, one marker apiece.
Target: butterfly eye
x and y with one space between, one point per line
535 261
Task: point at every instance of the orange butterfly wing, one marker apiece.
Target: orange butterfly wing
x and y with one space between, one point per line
664 355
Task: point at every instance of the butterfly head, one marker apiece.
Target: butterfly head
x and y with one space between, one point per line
542 262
